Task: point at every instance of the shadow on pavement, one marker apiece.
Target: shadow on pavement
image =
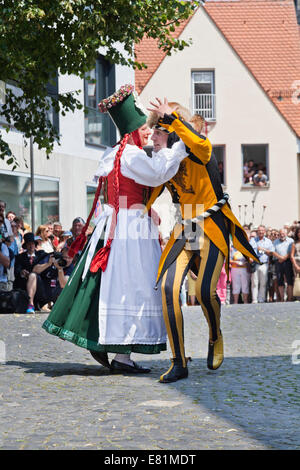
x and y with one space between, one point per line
59 369
257 394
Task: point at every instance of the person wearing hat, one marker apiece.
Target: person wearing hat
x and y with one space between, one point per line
109 304
200 241
25 262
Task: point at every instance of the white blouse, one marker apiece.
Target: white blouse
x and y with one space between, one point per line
137 165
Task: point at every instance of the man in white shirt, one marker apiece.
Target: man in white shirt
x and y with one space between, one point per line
263 247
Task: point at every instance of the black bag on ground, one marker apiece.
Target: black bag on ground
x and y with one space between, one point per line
14 301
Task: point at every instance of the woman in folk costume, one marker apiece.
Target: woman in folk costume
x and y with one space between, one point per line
200 241
109 304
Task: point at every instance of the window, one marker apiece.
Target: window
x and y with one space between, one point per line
204 98
52 89
219 153
98 84
15 191
255 165
90 195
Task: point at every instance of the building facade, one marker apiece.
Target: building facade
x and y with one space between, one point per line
242 74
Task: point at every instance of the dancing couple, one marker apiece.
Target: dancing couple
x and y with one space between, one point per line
123 295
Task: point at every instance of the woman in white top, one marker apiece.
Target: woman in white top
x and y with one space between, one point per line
109 303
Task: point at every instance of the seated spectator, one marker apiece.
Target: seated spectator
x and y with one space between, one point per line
4 257
25 261
44 232
47 279
283 265
260 179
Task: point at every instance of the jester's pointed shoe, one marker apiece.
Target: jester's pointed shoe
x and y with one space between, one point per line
176 372
215 355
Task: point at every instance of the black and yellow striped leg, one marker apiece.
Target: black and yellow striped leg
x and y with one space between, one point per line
171 285
211 263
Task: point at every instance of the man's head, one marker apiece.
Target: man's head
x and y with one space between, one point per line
261 230
29 242
160 139
2 207
57 229
282 234
77 226
65 255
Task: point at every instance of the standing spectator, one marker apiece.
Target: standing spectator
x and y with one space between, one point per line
192 278
57 231
240 276
222 285
44 232
16 245
6 227
77 226
4 256
253 234
63 240
284 269
221 171
263 247
295 252
10 215
249 171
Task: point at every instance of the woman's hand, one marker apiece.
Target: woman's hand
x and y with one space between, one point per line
161 108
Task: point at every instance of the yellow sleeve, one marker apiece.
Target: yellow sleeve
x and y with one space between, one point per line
199 145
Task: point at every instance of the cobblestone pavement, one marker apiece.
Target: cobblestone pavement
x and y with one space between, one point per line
53 395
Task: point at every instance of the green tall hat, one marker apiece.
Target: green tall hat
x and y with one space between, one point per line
124 109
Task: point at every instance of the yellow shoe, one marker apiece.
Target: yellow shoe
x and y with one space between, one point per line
215 355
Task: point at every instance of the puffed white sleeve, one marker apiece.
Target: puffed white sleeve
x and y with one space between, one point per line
156 170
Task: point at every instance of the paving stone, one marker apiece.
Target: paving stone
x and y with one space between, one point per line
53 395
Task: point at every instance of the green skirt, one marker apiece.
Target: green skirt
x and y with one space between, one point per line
74 316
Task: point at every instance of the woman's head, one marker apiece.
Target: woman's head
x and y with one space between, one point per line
43 231
297 234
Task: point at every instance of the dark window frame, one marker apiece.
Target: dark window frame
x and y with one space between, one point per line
244 160
109 85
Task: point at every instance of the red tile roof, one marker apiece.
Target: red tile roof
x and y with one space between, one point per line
265 35
147 51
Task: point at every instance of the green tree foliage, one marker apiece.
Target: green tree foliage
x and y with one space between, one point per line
39 38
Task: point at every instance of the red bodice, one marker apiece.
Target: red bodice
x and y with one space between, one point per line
130 192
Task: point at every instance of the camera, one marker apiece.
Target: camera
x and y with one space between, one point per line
61 261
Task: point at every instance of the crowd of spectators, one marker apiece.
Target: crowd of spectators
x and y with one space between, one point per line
36 263
278 251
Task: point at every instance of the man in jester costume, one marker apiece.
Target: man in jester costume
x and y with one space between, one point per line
199 242
109 304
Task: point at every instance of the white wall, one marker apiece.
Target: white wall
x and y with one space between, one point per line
244 116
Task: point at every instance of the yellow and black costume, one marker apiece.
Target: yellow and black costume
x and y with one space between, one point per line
196 188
